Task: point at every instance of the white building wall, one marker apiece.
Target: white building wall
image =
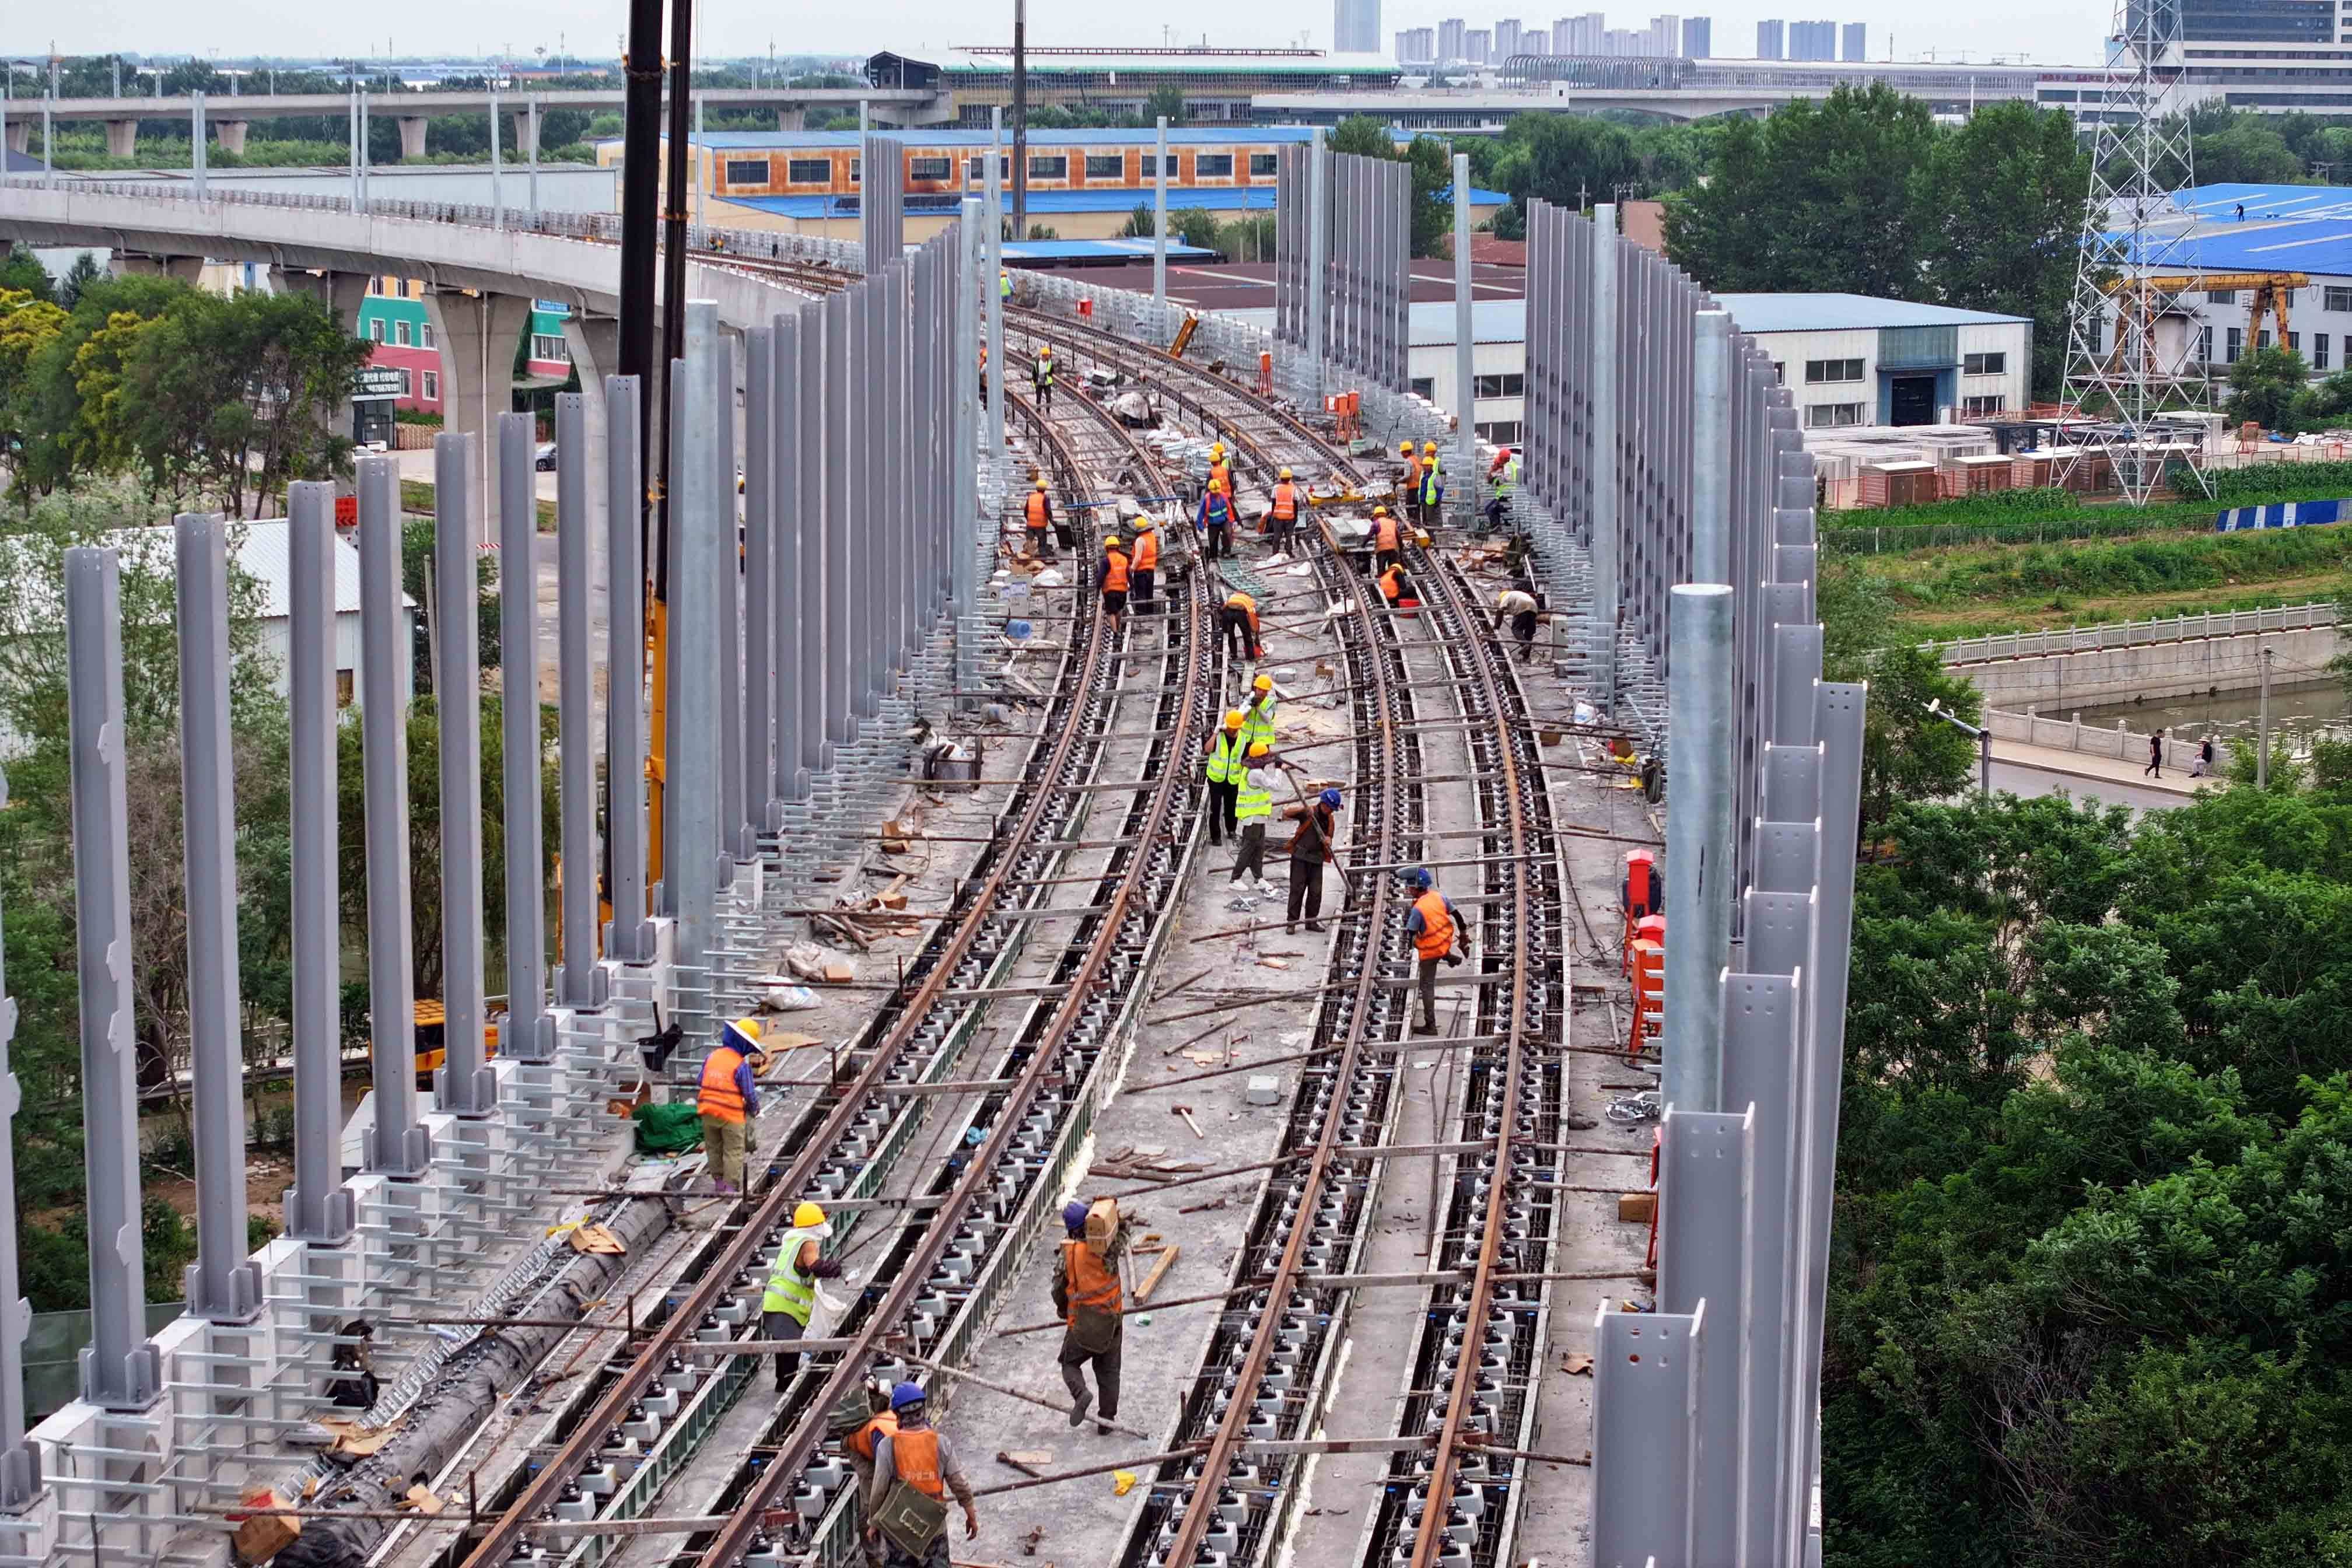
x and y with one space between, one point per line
276 635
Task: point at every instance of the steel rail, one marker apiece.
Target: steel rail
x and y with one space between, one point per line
782 1462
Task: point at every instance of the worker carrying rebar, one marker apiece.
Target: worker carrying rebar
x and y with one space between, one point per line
1086 1299
1238 622
1281 516
914 1470
1041 378
792 1293
1436 932
1227 760
729 1095
1257 714
1312 846
1116 564
1433 485
1144 564
1038 518
1388 538
1396 587
1215 519
1253 810
1521 610
859 1446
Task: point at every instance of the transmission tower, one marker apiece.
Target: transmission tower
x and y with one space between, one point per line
2135 359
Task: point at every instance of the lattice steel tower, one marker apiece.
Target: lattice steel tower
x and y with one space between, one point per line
2134 356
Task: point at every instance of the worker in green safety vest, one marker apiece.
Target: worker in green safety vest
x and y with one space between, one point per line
1257 715
1253 809
791 1298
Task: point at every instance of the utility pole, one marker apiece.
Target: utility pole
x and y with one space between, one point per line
1020 119
2263 727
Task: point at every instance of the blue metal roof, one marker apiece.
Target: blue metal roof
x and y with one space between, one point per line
1845 313
2287 229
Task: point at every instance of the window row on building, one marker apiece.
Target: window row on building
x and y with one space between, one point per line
837 172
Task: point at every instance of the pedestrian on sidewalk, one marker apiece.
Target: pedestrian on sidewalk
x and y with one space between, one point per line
2155 756
2203 766
1310 848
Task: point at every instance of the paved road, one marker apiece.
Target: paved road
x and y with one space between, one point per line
2019 778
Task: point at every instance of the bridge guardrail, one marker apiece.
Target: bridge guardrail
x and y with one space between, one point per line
1961 651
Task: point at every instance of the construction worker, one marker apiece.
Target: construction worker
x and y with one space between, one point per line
729 1095
983 372
1220 473
1432 484
1502 479
1283 515
1216 516
791 1298
916 1455
1388 545
1145 562
1257 714
1253 809
1520 609
1225 766
859 1446
1114 565
1004 285
1395 587
1087 1299
1041 378
1408 489
1040 511
1238 621
1311 846
1435 929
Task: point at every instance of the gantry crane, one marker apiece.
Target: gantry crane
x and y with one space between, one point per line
2147 297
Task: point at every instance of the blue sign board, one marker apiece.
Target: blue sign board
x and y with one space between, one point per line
2281 514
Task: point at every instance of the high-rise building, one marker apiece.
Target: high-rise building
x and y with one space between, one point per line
1855 41
1579 35
1812 40
1507 34
1768 41
1698 42
1356 26
1476 45
1449 38
1666 37
1418 45
1535 41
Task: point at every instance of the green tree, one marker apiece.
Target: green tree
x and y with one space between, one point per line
83 271
1908 752
1166 100
1570 160
2242 149
2269 387
21 272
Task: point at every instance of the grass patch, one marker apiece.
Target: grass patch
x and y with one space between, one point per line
416 500
2050 515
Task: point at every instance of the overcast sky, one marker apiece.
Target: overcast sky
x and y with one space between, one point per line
2066 33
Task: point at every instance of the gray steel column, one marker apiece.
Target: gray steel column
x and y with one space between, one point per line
760 576
996 270
458 705
1646 1372
319 1207
222 1284
351 123
789 474
629 938
963 447
1699 692
697 524
1606 487
498 165
694 165
396 1146
1705 1227
120 1368
840 322
1318 255
1465 344
198 149
20 1462
1160 228
733 802
529 1033
1711 449
818 543
363 144
575 550
533 153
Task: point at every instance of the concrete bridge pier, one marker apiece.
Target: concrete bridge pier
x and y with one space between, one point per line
595 344
478 333
230 134
339 291
412 136
792 120
121 138
20 137
186 268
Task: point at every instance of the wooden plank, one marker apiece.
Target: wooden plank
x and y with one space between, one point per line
1152 1280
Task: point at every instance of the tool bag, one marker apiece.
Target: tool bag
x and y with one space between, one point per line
911 1519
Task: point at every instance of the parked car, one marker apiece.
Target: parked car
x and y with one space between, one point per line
545 459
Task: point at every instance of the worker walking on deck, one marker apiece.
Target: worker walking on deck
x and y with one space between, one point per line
1388 543
1143 563
1041 379
1436 931
1282 516
1086 1299
1216 518
1038 516
911 1464
727 1097
1238 623
860 1445
1311 848
1116 564
1253 809
791 1298
1520 609
1227 762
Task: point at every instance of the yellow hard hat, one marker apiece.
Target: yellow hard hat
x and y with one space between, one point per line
1144 525
1286 473
1379 511
1263 683
1235 719
808 1216
1500 598
1404 448
749 1028
1041 481
1217 448
1258 749
1429 446
1110 541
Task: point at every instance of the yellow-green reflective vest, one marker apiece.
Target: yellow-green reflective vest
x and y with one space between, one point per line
1225 762
1257 723
1253 802
788 1291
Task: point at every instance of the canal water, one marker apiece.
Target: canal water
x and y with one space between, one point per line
2297 709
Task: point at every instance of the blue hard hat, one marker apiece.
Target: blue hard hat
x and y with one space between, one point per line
1073 1215
1331 798
905 1394
1418 876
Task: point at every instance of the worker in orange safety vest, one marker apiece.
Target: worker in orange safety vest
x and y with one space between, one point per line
1039 516
1144 563
1086 1299
1114 581
1435 928
917 1455
728 1095
1282 516
1388 538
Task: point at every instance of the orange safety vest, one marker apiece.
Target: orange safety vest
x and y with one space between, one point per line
1037 511
1146 552
916 1456
1385 537
1243 602
719 1096
1436 938
1286 502
861 1442
1089 1283
1412 474
1114 571
1389 583
1221 477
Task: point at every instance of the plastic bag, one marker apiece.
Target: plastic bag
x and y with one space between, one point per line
806 960
788 999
